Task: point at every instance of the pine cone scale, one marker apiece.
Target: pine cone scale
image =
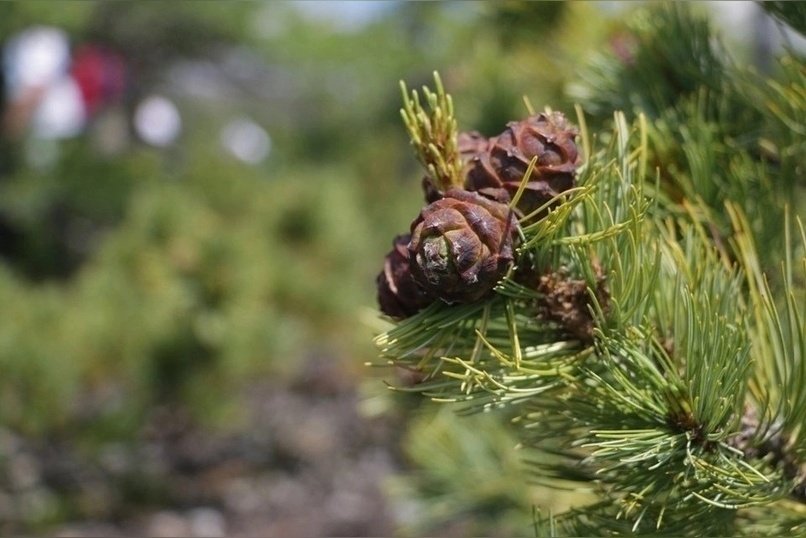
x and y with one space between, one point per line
398 295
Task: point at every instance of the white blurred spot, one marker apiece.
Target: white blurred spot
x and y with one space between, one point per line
35 57
246 140
60 113
157 121
207 522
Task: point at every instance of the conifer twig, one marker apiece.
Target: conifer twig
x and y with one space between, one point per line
433 133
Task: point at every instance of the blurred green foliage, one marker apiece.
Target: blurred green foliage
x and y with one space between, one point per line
468 478
148 277
156 272
464 482
201 277
153 276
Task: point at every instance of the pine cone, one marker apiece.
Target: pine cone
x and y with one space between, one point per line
470 144
461 246
430 192
398 295
500 168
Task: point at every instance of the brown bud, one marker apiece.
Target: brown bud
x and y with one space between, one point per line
461 245
398 295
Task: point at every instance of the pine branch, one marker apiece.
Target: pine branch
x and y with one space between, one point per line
717 130
637 337
659 66
658 392
778 388
469 352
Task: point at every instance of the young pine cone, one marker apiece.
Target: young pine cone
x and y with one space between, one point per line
461 245
470 144
398 296
501 167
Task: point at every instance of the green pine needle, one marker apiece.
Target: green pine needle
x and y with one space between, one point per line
433 133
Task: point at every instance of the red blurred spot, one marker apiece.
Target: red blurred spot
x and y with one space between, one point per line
101 76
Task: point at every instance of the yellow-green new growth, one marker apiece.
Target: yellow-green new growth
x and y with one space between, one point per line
433 134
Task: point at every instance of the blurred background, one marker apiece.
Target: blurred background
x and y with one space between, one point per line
195 198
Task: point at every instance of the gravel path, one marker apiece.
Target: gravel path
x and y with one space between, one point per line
309 465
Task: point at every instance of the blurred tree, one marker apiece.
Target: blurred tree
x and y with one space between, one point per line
140 279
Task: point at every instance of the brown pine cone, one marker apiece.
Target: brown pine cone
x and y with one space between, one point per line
470 144
461 246
398 295
430 192
501 167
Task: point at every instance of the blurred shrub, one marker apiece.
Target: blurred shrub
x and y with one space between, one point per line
60 213
185 275
214 277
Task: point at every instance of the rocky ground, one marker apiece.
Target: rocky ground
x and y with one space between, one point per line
310 465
